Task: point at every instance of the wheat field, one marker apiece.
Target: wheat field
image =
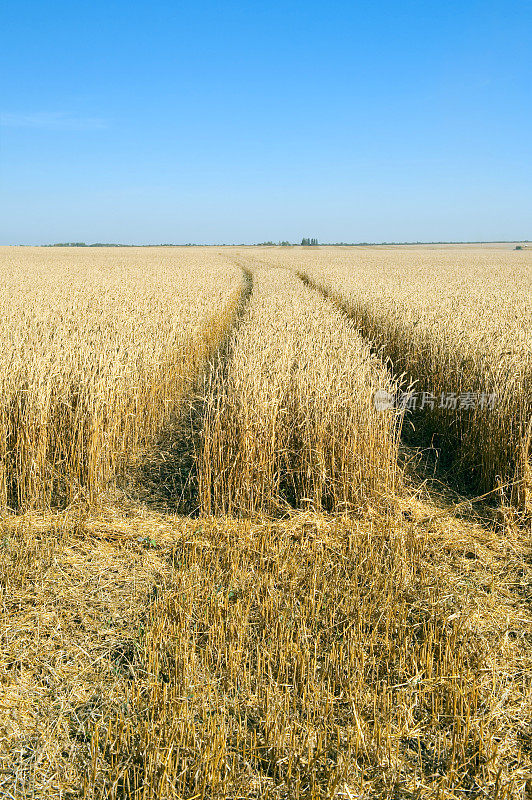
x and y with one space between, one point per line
220 574
455 322
289 418
98 351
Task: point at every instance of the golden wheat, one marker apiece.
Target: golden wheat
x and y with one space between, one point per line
150 657
99 348
289 418
380 652
457 322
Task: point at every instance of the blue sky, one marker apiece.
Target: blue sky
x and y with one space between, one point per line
216 122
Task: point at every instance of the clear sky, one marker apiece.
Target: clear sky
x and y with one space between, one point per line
147 122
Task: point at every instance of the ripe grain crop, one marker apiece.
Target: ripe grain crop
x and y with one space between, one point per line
459 324
99 349
269 648
288 416
154 657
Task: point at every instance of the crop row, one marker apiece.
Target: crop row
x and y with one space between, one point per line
458 327
99 350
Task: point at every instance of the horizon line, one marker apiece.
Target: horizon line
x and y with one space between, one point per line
276 244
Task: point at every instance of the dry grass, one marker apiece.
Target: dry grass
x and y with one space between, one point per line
99 350
455 321
149 656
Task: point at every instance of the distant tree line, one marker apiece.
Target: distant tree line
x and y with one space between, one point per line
84 244
272 244
393 244
115 244
306 242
